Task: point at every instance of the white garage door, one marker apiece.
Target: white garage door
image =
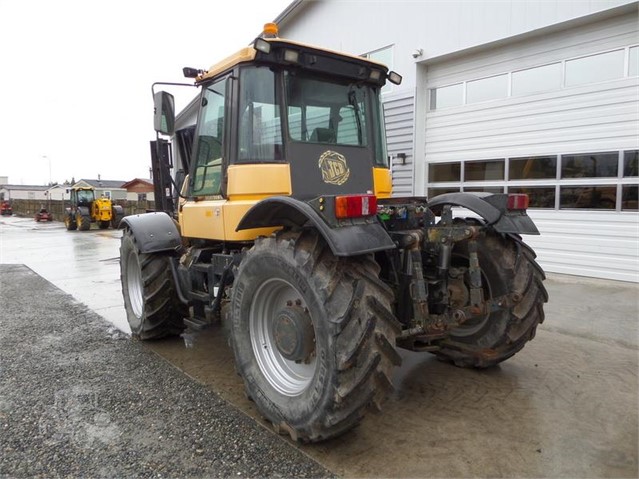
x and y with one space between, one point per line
555 116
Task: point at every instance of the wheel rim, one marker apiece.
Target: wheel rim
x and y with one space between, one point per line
287 377
134 285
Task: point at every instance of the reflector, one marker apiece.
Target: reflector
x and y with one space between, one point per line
355 206
517 202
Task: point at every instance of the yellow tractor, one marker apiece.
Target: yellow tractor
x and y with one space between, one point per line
285 231
85 209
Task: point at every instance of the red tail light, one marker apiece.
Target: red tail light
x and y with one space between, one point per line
355 206
517 202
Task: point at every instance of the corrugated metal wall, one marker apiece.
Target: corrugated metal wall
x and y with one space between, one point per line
399 110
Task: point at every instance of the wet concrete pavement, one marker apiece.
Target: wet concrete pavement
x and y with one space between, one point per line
566 406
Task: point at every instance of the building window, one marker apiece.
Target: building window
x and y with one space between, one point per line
595 165
438 172
491 88
602 197
484 170
485 189
385 57
630 163
534 167
585 181
595 68
446 97
106 194
630 197
432 192
543 78
633 62
539 196
141 197
538 79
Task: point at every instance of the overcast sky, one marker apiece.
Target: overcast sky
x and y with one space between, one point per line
75 77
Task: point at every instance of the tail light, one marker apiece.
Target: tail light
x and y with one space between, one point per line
355 206
517 202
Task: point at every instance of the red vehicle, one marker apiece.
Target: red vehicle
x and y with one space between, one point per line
5 209
43 215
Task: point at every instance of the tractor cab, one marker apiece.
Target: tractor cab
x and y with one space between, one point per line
281 118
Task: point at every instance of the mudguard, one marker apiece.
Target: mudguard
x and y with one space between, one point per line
490 207
350 240
153 232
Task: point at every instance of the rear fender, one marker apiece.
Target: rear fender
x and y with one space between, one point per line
153 232
490 207
350 240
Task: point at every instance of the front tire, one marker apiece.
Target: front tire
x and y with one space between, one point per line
69 222
152 306
508 269
83 221
313 335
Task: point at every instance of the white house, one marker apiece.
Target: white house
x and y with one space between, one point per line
23 192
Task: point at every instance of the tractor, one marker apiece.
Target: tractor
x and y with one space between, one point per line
284 232
5 208
86 209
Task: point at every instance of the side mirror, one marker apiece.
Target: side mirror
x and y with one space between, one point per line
164 113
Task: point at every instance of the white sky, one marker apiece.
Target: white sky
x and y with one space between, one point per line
75 77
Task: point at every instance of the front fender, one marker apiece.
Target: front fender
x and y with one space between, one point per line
350 240
490 207
153 232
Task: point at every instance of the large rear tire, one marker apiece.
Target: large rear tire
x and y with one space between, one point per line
508 269
313 335
151 302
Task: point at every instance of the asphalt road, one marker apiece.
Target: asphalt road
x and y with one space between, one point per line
78 398
565 406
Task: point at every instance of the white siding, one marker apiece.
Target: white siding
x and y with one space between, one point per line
587 118
399 114
588 243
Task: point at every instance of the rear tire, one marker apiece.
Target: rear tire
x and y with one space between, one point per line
151 302
349 354
508 268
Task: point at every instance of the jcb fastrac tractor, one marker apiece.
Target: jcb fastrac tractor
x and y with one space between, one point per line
86 209
286 232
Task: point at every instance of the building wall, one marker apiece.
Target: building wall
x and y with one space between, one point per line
436 27
27 193
435 44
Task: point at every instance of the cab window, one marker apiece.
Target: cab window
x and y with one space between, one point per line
207 177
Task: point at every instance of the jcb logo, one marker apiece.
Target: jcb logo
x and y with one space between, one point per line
334 169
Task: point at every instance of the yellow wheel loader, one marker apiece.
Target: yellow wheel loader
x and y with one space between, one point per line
85 209
284 230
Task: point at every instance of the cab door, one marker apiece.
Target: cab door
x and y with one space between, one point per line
203 215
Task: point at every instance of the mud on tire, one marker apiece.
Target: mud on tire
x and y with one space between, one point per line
347 367
508 268
150 299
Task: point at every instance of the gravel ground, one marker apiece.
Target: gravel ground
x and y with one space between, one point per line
80 399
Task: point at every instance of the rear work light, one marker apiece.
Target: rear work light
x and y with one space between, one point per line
355 206
517 202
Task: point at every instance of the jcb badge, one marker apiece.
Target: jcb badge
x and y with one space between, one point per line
334 168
